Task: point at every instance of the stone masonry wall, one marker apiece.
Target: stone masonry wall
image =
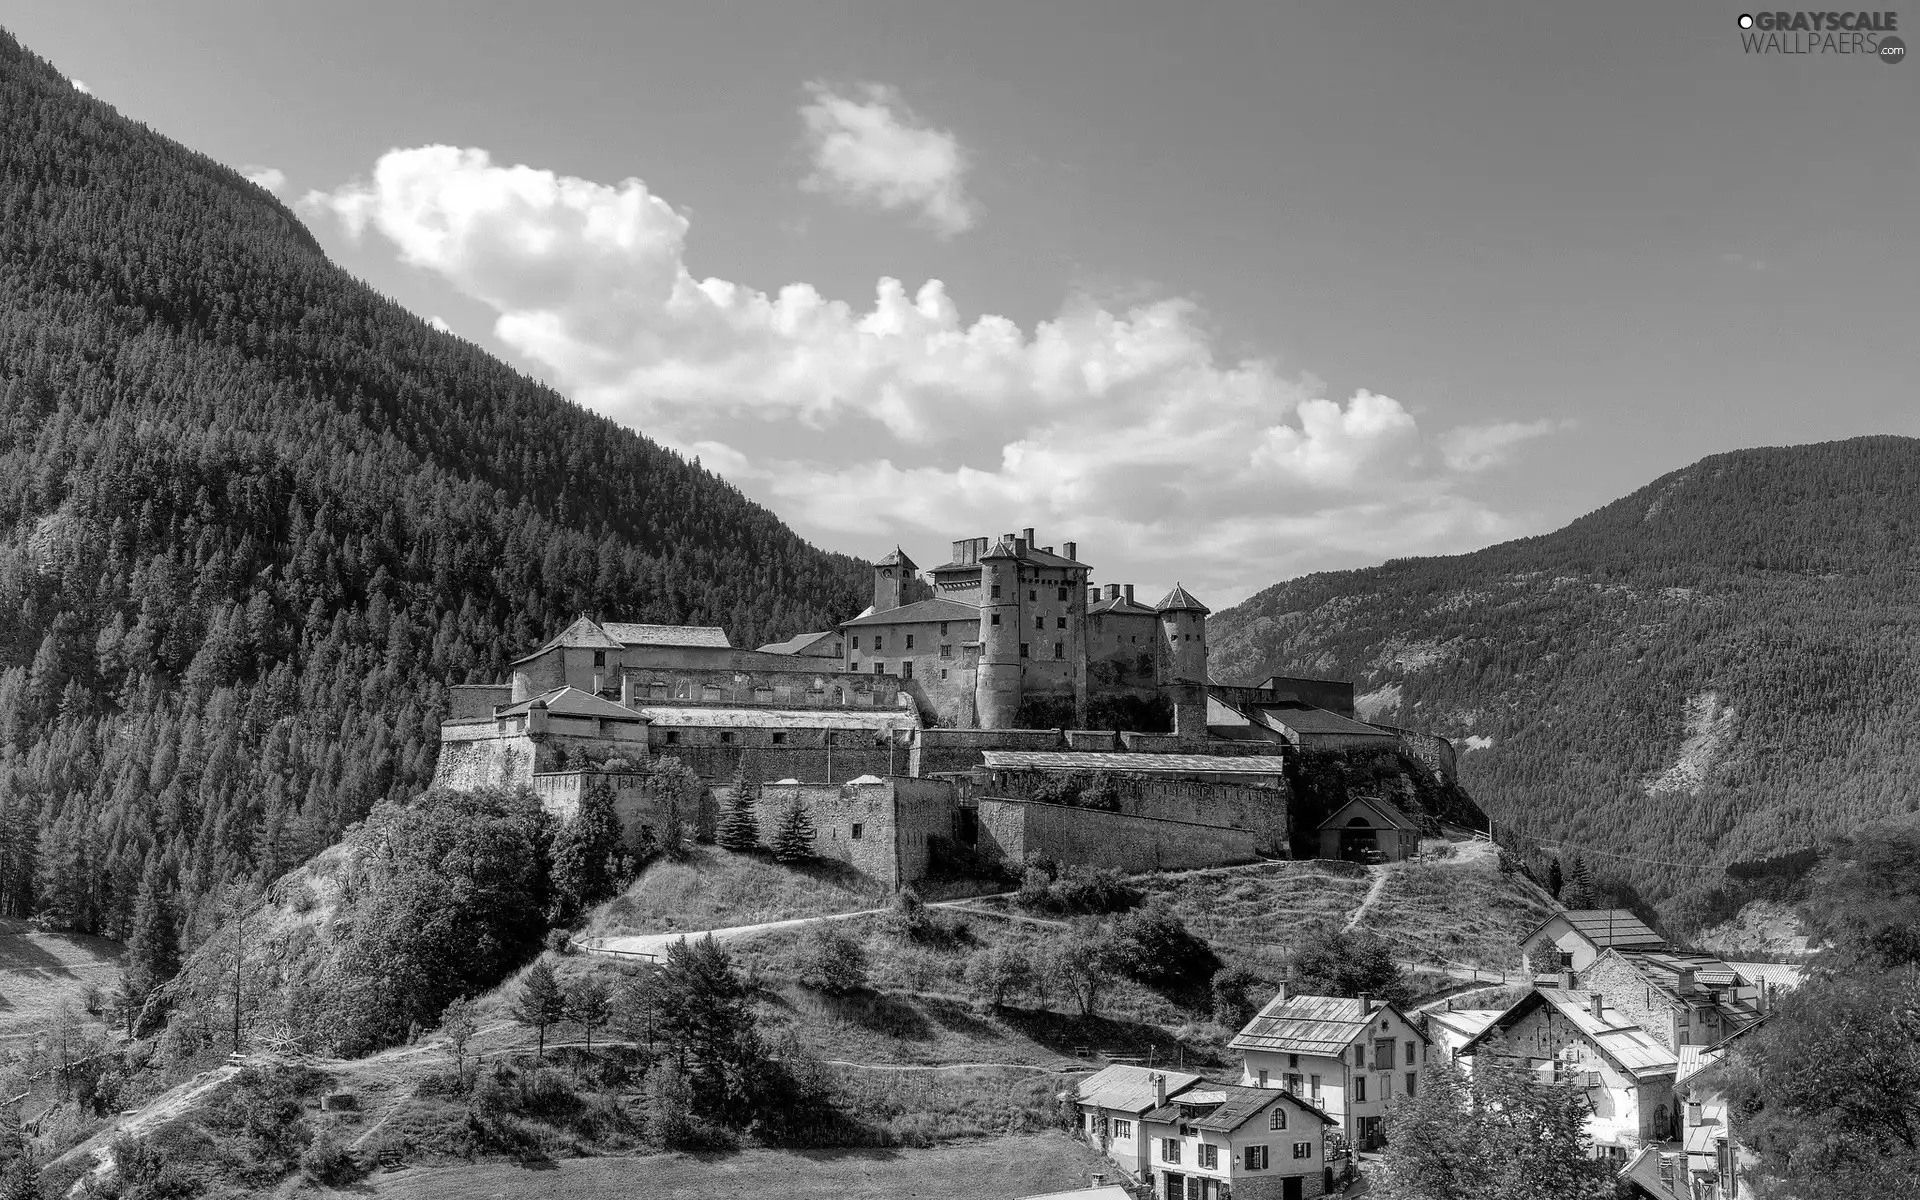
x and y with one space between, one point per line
1626 990
1021 831
1261 811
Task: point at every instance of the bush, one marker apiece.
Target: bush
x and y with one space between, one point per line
1155 947
326 1161
1076 891
1234 990
559 941
833 960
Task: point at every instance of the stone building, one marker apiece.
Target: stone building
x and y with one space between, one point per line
1348 1057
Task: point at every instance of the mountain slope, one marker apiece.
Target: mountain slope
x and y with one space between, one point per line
1722 666
254 518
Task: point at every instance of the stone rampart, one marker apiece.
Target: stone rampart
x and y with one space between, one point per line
1024 831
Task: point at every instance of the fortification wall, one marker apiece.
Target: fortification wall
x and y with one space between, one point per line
1431 749
776 679
649 799
853 823
479 756
1023 831
466 701
1260 811
1167 743
935 750
807 763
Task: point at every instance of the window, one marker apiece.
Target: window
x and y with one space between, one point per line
1412 1082
1293 1082
943 672
909 641
1303 1149
1209 1156
1383 1054
1359 1089
1059 650
779 739
1032 595
994 619
673 738
1063 593
1039 622
1277 1119
879 668
1408 1061
1293 1060
1123 1130
856 642
995 591
1263 1079
599 658
1059 622
1359 1056
906 669
1170 1150
1256 1158
857 828
726 737
1386 1087
946 650
1023 650
1313 1088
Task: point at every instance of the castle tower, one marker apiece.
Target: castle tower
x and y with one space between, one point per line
1183 659
890 577
996 691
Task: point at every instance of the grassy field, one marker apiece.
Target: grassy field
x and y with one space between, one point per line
995 1169
1459 907
40 971
713 888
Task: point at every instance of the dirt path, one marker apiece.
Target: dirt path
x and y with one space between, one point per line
1373 893
163 1108
655 944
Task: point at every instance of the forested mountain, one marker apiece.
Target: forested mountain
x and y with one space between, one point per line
1720 667
254 518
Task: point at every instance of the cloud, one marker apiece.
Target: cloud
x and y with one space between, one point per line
1734 259
270 178
440 324
79 85
868 148
1478 447
1126 430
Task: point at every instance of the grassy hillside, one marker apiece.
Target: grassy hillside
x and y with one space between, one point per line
255 518
1718 668
711 888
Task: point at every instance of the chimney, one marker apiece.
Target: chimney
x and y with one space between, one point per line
1766 996
979 548
1113 591
1046 549
1159 1091
626 690
1026 535
1008 537
1073 551
1099 1179
1683 980
1127 590
1693 1113
1566 981
960 549
1093 594
1597 1002
1280 997
1366 1004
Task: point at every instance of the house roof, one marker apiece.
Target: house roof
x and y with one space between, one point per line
1309 1025
1119 605
702 716
572 702
583 634
1468 1022
1112 1191
1389 815
1619 1040
1230 1106
919 612
1784 976
1180 600
1712 983
1304 718
1695 1059
710 637
1133 764
1643 1172
1605 927
1126 1088
798 643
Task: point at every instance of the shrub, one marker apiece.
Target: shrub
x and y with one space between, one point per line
1155 947
559 941
1077 891
833 960
326 1161
1234 990
996 973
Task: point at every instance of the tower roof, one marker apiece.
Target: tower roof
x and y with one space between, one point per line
897 559
1001 549
1181 600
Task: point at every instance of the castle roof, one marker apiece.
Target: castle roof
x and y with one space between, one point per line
1181 600
1389 814
1119 605
572 702
583 634
798 644
710 716
710 637
897 559
1133 763
1032 555
919 612
1304 718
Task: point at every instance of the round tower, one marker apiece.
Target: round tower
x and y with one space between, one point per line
996 690
1183 660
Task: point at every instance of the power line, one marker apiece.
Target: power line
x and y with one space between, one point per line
1546 841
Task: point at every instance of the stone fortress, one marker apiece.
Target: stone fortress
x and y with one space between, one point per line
1006 706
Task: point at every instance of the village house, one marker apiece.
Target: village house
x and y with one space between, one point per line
1707 1161
1681 999
1369 829
1112 1102
1348 1057
1577 1039
1571 940
1216 1141
1451 1029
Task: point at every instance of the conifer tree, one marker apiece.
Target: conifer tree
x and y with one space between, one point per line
153 951
1555 878
1579 890
589 860
793 841
540 1003
706 1018
740 831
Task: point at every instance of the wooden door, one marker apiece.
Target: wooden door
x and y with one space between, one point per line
1293 1187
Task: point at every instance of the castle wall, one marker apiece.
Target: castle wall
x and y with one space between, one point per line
1258 810
787 683
1022 831
473 700
879 829
1121 649
473 756
1170 743
809 761
1431 749
640 798
938 750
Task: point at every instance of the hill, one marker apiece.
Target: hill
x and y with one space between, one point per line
1718 669
255 518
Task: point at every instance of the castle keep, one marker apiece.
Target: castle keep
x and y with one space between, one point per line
1003 703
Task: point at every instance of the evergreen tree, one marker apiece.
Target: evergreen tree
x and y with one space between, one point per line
1579 890
793 840
21 1179
706 1019
153 952
1555 879
590 861
740 831
589 1004
540 1003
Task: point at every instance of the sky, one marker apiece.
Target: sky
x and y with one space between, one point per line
1226 293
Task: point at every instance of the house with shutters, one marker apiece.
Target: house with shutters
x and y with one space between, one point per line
1571 940
1113 1101
1578 1040
1216 1141
1683 999
1348 1057
1706 1161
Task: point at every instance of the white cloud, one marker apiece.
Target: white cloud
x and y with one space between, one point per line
270 178
440 324
867 147
1123 430
1478 447
80 85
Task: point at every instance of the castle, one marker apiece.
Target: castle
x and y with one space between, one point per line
956 709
